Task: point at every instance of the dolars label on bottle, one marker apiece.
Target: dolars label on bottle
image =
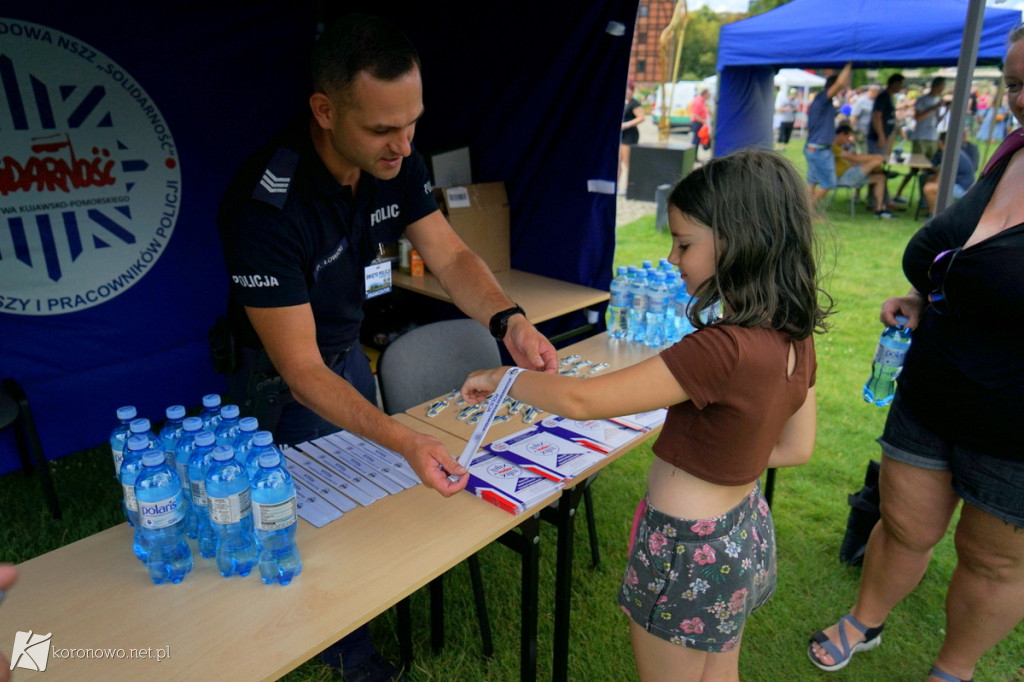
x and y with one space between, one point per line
231 509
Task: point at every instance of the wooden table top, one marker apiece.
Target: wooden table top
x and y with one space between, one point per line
543 298
94 594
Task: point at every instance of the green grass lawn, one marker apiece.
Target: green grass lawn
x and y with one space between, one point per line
810 510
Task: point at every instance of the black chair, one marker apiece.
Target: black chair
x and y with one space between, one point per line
16 414
417 366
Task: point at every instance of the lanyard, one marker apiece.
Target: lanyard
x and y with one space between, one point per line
504 386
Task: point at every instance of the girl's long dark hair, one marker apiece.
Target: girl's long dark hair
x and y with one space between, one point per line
757 207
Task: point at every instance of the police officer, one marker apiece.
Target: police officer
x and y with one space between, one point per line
302 225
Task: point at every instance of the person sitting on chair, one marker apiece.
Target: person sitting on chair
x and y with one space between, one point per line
964 176
855 170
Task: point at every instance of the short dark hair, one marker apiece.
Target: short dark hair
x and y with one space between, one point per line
356 43
937 81
894 79
756 205
844 129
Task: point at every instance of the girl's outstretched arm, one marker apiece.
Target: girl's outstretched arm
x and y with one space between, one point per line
644 386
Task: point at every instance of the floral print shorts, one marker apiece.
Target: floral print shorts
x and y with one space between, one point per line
694 583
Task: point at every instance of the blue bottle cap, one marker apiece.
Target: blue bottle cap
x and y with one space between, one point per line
211 400
621 270
126 413
175 412
192 424
902 320
223 452
152 458
269 459
263 438
140 425
248 424
229 411
138 442
204 438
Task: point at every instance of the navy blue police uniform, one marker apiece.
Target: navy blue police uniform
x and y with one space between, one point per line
293 235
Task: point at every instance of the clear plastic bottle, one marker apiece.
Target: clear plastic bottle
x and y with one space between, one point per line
262 442
247 427
210 414
131 467
162 518
228 496
618 304
888 363
171 431
275 520
190 429
657 303
638 308
119 436
682 312
227 430
198 467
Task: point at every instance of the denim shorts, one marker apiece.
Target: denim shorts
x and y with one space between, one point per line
853 176
694 583
991 484
821 167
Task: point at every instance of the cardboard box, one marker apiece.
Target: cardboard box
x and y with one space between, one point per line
480 216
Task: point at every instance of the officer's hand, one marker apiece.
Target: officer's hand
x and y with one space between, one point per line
528 347
433 464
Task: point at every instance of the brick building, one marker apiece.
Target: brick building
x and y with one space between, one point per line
644 60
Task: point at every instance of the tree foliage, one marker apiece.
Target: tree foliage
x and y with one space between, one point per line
761 6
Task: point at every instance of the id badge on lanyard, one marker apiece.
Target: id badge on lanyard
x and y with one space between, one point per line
378 275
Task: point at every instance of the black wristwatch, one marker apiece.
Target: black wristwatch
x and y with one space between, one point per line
499 322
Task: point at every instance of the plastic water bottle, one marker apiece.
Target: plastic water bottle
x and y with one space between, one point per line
119 436
198 467
681 304
131 467
638 308
262 442
228 496
171 431
657 303
227 430
618 304
274 520
888 363
162 518
210 414
190 430
141 427
247 427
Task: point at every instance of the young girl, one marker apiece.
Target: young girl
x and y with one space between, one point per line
740 392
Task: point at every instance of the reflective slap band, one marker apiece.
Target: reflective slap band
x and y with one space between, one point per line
496 400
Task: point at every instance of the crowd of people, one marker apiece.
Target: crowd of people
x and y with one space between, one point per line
869 127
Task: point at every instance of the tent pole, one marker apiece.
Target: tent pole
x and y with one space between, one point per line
961 95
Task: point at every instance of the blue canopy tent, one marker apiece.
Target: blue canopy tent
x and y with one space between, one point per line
121 125
827 34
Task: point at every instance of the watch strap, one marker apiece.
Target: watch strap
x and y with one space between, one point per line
499 321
